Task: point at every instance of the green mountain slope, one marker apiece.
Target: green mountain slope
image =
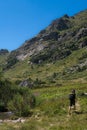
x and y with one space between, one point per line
58 53
3 57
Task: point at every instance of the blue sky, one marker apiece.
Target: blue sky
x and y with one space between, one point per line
20 20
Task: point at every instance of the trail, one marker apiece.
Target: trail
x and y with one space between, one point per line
78 107
77 111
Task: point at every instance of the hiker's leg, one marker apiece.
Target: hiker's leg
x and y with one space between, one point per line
69 111
70 105
74 107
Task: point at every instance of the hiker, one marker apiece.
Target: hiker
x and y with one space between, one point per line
72 99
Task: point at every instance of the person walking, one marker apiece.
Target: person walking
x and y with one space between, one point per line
72 101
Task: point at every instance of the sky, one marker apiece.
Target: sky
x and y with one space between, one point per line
21 20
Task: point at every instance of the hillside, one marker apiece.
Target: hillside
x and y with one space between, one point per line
54 62
57 53
3 57
51 111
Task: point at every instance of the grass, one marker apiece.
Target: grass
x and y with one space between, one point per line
51 111
45 72
3 58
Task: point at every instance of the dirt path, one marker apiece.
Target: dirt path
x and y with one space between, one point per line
78 107
77 111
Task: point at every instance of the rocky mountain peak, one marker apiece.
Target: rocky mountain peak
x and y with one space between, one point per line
57 41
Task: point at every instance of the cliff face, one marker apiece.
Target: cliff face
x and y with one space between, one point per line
58 40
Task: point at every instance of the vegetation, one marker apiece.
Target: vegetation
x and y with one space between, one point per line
16 99
51 111
51 74
10 62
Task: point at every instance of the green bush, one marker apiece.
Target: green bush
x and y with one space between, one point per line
22 102
16 99
11 61
19 105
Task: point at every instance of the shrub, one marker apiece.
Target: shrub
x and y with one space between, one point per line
19 105
11 61
22 102
16 99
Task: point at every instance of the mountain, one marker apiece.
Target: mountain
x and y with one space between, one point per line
63 35
59 52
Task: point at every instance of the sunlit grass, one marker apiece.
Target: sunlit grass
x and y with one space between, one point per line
51 111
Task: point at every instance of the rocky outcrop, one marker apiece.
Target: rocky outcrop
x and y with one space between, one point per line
3 51
60 24
26 83
81 33
57 41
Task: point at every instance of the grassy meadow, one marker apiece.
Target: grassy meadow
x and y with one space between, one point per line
51 111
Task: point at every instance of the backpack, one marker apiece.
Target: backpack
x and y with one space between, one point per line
71 96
